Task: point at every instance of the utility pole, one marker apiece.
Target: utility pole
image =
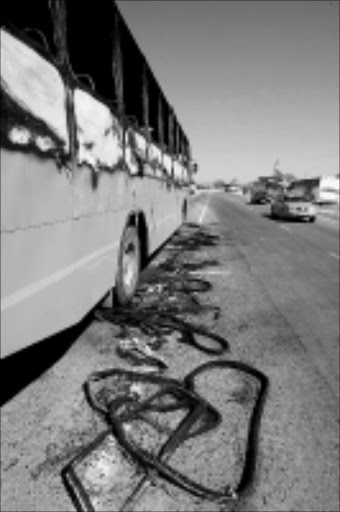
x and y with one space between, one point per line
276 168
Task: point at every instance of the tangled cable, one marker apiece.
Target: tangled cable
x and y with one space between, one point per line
154 322
127 399
120 408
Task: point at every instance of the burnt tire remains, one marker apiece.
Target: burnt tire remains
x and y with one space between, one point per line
128 270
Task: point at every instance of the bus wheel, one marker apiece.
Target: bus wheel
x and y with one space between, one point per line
184 211
128 267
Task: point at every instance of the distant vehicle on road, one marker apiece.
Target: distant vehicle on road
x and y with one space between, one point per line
234 189
265 189
258 196
324 188
291 206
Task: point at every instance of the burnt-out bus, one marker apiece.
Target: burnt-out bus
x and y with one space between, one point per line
94 164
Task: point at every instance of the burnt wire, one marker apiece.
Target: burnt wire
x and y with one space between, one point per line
154 322
73 484
137 357
158 318
201 417
158 463
254 422
160 302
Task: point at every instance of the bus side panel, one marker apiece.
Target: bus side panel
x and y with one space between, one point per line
71 267
35 159
100 233
62 221
97 238
34 191
162 207
36 196
36 292
112 176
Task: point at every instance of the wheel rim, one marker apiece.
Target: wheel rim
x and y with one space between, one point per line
130 266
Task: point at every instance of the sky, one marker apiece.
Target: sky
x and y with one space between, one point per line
251 82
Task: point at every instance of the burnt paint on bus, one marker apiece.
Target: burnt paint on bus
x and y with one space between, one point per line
21 131
59 252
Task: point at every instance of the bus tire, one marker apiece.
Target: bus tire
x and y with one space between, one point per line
129 262
184 211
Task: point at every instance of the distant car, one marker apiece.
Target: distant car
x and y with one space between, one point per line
235 189
293 207
258 196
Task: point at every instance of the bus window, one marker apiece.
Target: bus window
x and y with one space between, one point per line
176 137
35 25
166 114
153 108
133 76
145 97
160 124
171 130
90 40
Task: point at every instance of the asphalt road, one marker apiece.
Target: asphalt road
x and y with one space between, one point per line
297 263
275 287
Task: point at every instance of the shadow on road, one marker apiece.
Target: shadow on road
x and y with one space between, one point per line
269 216
22 368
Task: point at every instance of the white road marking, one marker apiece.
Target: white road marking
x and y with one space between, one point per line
334 255
285 228
203 212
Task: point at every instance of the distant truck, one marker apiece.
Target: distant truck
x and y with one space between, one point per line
264 189
328 191
324 189
258 195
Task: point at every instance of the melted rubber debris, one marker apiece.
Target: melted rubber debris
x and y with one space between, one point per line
165 427
168 300
197 435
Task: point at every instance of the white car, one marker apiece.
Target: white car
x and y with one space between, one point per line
293 207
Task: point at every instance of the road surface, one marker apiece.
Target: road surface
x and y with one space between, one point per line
276 288
297 264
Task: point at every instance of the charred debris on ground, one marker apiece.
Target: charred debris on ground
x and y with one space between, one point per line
152 418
